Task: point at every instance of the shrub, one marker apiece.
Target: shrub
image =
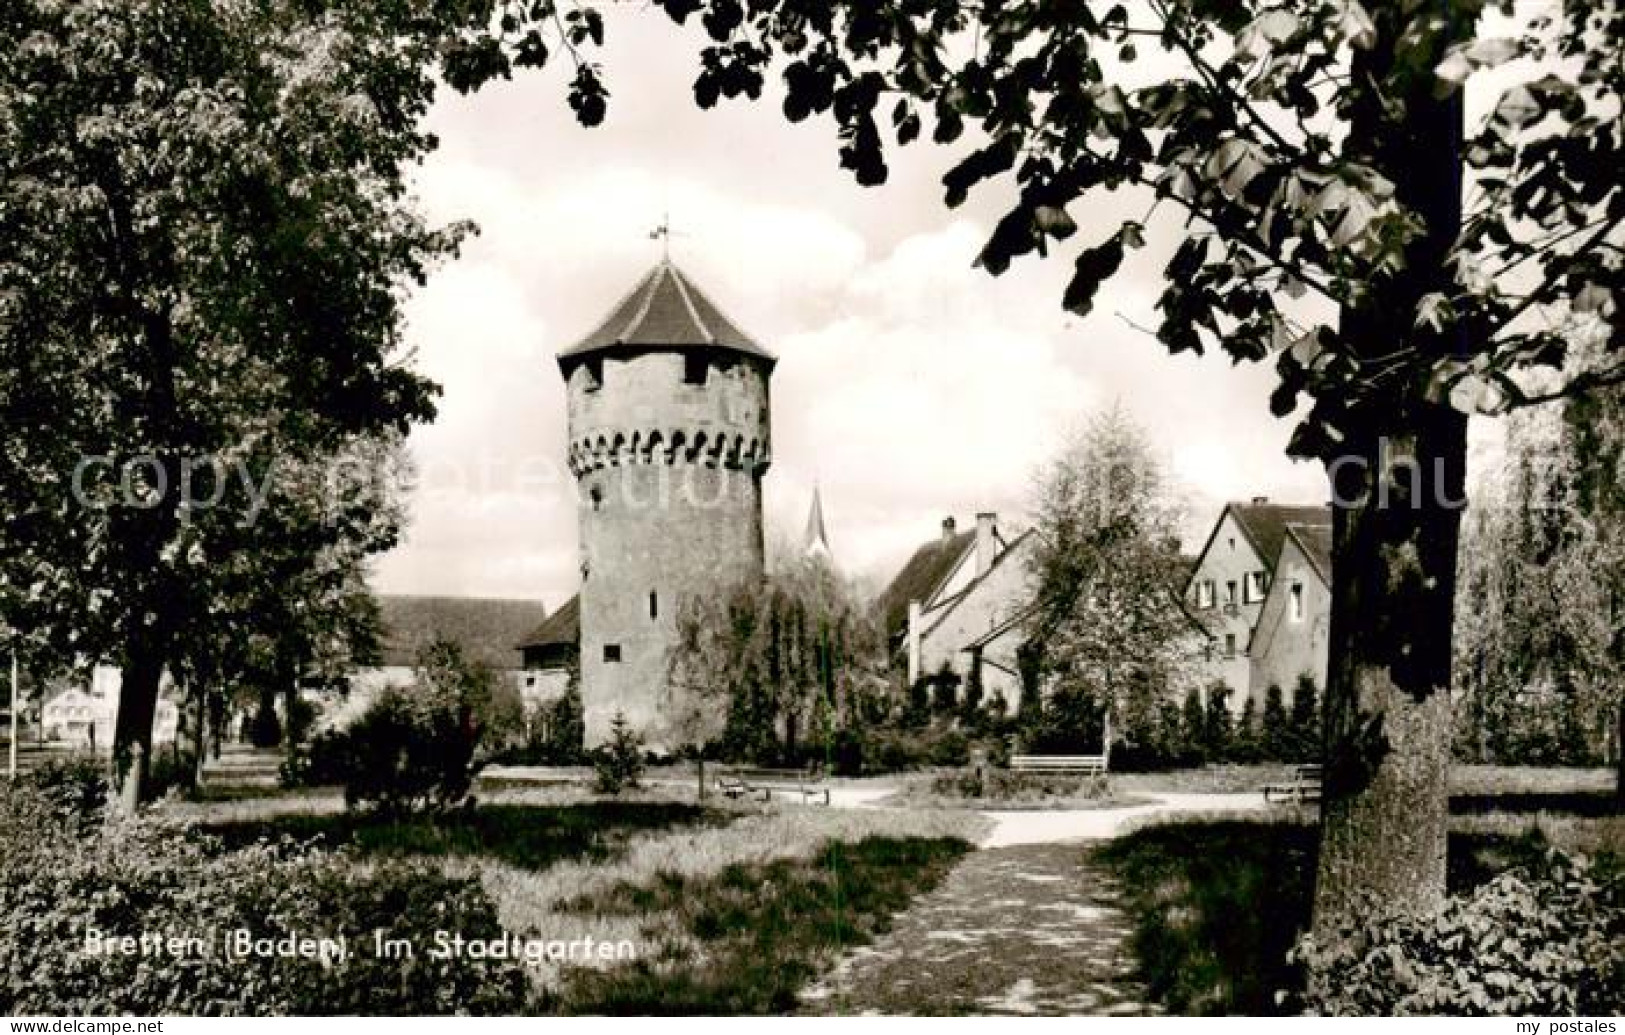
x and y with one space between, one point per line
1305 721
619 763
847 751
148 876
74 789
1193 728
1545 940
1275 733
1216 731
994 784
412 748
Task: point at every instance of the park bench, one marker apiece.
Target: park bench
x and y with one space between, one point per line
1060 765
1301 789
808 783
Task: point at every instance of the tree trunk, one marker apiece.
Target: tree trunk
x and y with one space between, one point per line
132 732
1399 490
1619 759
1388 712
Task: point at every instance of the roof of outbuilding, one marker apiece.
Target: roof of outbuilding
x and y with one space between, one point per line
666 309
923 573
485 628
562 628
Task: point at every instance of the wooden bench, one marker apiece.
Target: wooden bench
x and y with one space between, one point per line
1302 789
736 783
1060 765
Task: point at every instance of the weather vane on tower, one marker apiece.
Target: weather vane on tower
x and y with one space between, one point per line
664 233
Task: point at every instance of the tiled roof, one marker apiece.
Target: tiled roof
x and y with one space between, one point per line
942 613
485 628
562 628
1265 524
666 309
923 573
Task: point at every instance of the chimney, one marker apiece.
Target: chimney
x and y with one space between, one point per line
948 528
985 541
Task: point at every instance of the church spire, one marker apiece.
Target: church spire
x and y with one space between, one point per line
816 541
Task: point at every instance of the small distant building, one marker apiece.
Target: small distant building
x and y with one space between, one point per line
86 717
487 629
1233 579
550 653
961 602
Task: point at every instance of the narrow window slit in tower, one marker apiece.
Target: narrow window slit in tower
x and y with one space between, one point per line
654 605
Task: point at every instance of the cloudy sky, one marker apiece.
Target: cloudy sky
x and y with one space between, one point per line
909 386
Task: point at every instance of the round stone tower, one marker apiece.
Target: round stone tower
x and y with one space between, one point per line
668 431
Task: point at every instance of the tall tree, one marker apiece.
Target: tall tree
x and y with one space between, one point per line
1397 294
203 241
1539 655
1107 571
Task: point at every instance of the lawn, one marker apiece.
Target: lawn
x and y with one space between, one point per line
731 907
753 934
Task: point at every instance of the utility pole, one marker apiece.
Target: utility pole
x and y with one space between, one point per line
12 765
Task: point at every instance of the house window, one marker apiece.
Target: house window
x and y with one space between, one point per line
1204 593
1296 599
612 653
694 369
530 680
1230 593
594 375
1253 590
654 605
1229 645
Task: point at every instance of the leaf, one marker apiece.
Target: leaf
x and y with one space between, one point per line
1264 33
1434 311
1093 266
1355 25
1358 212
1235 163
1463 59
1055 222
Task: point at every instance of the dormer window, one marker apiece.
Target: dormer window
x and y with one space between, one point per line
695 369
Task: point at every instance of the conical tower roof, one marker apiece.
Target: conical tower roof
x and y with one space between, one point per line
816 540
666 310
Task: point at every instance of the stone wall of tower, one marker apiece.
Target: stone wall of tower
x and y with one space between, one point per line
669 477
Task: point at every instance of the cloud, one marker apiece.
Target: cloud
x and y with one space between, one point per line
910 384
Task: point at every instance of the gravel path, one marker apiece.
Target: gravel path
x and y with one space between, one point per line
1036 827
1029 929
1027 925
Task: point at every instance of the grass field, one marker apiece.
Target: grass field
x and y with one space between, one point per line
752 935
731 907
